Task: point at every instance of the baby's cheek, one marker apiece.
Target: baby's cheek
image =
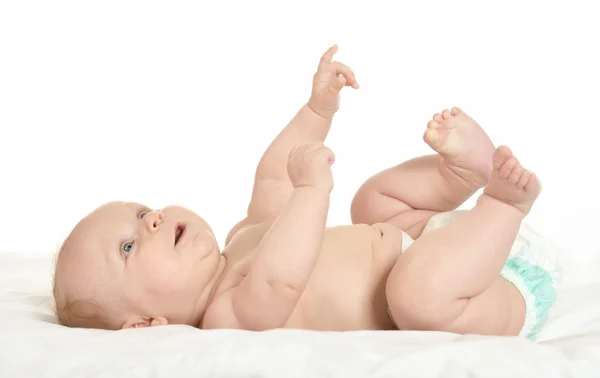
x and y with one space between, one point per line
167 278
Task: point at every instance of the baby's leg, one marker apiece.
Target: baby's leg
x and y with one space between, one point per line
408 194
449 278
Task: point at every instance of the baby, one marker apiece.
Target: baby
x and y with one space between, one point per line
409 261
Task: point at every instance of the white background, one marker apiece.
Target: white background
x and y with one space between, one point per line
174 102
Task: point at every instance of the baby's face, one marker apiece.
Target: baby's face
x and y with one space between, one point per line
142 266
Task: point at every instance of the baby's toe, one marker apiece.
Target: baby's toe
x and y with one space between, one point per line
433 125
455 111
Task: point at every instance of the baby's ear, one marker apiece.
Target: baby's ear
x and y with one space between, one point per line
159 321
136 322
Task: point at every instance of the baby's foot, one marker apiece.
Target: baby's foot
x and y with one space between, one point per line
511 183
463 145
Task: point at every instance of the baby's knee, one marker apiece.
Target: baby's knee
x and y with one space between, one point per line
363 206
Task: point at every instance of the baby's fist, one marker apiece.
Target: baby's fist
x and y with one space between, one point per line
310 165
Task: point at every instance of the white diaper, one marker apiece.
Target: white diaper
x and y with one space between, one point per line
406 241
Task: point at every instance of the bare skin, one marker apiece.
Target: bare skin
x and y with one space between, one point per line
444 281
282 267
286 269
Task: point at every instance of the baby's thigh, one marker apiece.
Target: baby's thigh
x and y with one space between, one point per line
499 311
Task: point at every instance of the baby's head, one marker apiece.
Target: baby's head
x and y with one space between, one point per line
125 265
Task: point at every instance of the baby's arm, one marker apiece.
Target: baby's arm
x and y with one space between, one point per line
311 124
286 255
272 187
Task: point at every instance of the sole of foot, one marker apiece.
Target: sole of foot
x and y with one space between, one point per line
464 146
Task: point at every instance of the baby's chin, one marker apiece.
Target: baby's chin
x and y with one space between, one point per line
207 245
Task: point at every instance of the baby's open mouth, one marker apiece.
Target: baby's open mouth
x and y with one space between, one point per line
179 231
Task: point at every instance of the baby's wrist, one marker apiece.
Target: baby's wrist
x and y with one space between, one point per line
317 112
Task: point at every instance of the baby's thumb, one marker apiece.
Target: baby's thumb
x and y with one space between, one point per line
329 155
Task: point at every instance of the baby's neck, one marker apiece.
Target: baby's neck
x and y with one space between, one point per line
213 285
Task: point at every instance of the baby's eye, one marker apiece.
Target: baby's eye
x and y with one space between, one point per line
127 247
143 214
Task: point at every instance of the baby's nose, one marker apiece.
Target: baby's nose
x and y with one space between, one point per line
154 219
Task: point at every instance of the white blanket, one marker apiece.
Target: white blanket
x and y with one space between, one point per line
33 345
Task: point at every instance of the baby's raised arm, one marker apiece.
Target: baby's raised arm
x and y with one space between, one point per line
285 257
272 187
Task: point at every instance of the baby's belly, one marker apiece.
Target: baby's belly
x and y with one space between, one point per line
346 290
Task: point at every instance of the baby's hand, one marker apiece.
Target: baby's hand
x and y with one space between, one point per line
329 80
310 165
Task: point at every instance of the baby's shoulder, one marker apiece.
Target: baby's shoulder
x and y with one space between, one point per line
239 252
245 239
249 233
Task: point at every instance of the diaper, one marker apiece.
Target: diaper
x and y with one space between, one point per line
533 268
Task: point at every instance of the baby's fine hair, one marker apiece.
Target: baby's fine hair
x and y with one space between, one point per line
76 312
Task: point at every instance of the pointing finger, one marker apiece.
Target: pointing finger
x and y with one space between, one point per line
328 56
